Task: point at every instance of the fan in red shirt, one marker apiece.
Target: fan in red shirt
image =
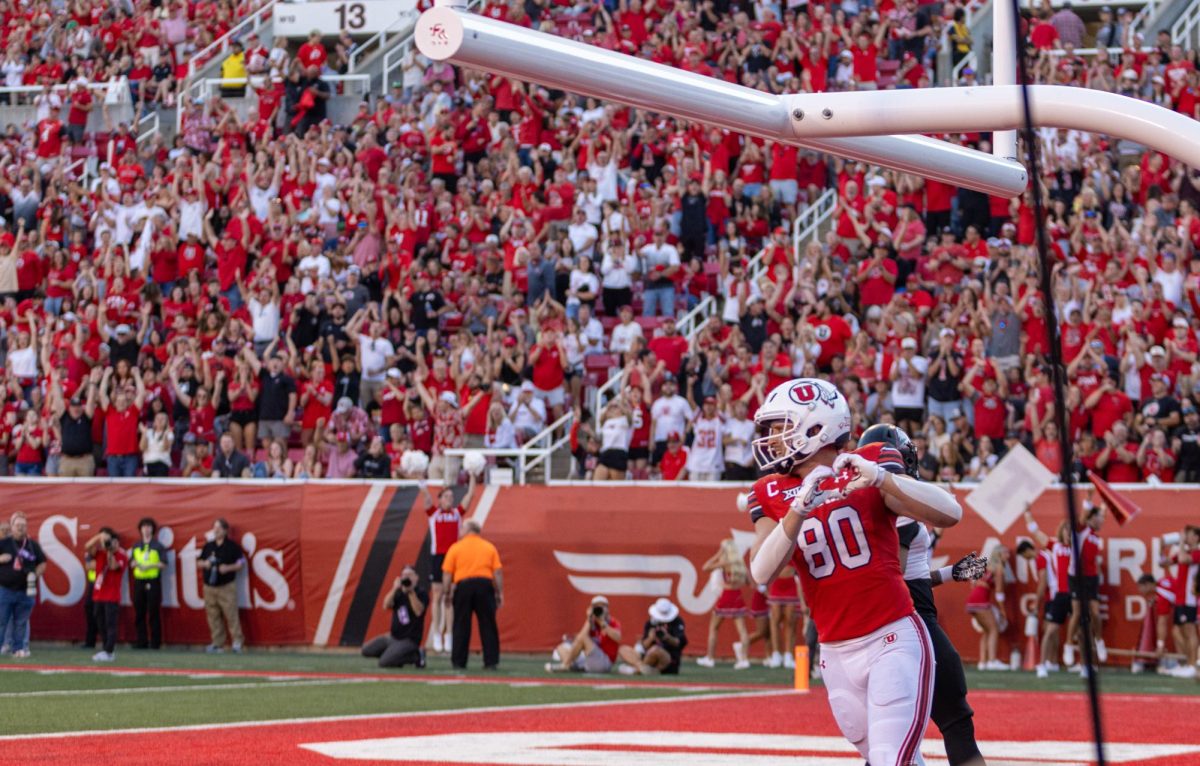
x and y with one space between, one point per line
49 135
122 413
312 53
674 461
669 346
109 563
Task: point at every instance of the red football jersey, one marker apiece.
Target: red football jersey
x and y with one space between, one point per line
1185 575
444 528
848 554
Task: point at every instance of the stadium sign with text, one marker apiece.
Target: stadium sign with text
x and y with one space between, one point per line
298 20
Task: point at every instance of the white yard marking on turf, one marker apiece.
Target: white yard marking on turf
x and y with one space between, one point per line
187 688
386 716
628 748
341 576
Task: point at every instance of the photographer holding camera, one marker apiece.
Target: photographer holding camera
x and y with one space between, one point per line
402 645
662 644
110 564
595 646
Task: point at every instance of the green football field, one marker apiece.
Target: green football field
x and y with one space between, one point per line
61 689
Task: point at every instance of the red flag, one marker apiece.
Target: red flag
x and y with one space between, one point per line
1121 507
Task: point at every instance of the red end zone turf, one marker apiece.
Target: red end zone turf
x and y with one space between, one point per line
752 730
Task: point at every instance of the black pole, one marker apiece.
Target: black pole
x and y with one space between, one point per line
1057 375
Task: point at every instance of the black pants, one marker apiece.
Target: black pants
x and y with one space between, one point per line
106 621
475 596
89 616
951 712
393 653
147 609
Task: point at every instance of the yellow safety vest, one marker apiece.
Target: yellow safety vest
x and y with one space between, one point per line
144 556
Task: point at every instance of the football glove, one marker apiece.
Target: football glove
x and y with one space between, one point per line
810 497
863 472
969 567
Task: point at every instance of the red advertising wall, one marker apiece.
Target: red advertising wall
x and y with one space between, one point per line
322 555
634 544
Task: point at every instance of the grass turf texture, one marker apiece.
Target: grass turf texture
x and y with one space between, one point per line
36 702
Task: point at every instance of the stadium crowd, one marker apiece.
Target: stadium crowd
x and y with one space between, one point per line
280 296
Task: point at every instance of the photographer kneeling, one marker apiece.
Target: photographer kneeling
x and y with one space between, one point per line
662 644
402 646
595 646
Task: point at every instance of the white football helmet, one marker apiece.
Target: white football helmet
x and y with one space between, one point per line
814 414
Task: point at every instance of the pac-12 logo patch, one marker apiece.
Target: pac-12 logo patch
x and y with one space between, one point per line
890 638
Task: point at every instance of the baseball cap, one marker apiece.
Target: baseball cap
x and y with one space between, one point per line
449 397
1179 322
1157 351
708 399
908 343
122 329
674 437
394 373
344 404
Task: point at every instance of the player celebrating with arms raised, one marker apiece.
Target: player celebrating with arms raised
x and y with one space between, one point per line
876 656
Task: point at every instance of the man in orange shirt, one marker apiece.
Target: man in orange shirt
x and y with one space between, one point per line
472 576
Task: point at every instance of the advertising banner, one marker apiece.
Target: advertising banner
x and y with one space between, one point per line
562 545
322 556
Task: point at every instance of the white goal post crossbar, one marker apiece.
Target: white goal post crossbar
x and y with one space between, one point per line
861 125
444 33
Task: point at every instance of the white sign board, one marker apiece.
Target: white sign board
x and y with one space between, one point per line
1014 483
363 18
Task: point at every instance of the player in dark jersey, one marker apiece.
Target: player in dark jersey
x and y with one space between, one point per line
832 516
950 711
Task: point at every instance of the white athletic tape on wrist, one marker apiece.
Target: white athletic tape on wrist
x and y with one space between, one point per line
946 573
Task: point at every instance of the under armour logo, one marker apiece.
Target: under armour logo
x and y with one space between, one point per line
890 638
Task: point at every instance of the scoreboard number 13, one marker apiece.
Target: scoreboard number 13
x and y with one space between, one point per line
351 15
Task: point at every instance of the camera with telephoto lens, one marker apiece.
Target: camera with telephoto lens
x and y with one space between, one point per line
598 611
660 632
406 583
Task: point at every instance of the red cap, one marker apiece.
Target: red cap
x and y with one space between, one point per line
674 437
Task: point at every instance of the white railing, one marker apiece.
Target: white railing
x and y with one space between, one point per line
219 47
808 224
399 28
1114 53
147 127
969 60
24 95
1139 20
537 450
347 84
692 322
1183 31
602 394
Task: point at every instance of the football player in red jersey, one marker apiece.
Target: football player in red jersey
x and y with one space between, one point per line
950 712
833 517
